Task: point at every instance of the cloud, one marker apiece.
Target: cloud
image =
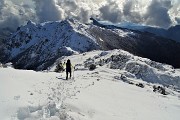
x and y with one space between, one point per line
110 12
162 13
12 15
48 10
76 9
157 13
130 12
53 10
84 15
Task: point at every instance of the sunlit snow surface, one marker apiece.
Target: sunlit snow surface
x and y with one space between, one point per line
100 94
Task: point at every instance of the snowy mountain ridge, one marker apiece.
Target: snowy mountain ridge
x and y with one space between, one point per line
48 41
59 34
38 46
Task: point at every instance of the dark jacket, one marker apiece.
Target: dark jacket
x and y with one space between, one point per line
68 66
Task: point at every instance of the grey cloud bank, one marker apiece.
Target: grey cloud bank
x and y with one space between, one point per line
161 13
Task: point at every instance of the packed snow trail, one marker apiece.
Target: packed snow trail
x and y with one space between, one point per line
25 94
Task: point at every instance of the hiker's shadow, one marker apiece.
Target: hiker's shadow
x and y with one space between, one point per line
61 78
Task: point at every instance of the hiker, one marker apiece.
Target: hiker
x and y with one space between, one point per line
68 68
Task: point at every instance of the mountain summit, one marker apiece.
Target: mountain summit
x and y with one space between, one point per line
36 46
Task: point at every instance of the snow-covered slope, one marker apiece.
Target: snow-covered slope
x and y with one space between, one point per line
110 92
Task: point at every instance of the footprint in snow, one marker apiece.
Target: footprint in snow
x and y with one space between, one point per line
17 97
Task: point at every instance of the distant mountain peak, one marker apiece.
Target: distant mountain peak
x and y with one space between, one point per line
30 23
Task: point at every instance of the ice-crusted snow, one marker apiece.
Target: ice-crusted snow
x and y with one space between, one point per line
109 92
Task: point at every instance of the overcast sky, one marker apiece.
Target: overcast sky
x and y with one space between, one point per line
161 13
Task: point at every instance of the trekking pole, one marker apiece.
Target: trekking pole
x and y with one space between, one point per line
73 72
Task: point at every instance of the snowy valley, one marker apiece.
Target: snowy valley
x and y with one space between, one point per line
122 86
